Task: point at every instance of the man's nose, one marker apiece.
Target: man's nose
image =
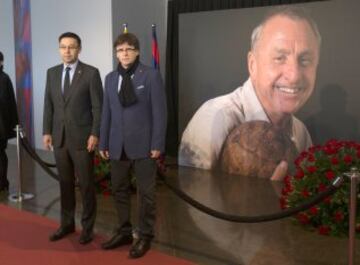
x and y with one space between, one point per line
292 70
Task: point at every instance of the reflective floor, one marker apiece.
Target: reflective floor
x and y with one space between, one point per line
190 234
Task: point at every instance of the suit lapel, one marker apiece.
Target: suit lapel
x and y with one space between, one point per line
58 79
114 85
76 78
137 75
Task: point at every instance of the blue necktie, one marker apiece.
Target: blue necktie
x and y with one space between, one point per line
67 82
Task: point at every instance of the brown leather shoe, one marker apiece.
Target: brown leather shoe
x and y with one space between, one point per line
62 232
140 248
117 241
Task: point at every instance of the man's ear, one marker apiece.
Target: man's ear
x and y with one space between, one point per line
251 64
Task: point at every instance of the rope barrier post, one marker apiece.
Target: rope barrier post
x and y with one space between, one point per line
354 180
19 196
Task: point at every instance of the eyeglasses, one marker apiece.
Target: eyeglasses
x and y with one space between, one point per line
126 50
72 48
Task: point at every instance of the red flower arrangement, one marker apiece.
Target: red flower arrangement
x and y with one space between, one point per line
102 173
316 168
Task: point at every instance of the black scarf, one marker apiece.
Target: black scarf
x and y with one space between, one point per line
127 94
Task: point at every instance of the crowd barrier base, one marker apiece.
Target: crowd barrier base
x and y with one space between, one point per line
16 197
19 196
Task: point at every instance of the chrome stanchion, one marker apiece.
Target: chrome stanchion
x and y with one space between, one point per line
19 196
354 180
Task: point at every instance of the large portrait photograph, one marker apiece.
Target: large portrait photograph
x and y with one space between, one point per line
268 111
254 92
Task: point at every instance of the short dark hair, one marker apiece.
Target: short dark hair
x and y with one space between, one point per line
128 38
70 35
1 57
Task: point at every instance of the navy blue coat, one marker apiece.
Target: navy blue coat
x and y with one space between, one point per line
140 127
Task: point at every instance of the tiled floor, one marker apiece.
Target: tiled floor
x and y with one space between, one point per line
185 232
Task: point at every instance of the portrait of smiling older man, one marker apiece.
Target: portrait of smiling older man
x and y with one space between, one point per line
282 65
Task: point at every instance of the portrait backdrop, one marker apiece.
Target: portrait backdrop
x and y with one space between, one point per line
213 49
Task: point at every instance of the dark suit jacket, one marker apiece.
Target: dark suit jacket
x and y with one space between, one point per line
78 115
8 110
138 128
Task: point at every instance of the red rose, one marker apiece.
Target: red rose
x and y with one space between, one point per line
348 159
305 193
334 160
286 190
330 149
103 184
339 216
283 203
287 179
322 187
314 148
311 169
327 200
303 218
330 175
324 230
311 158
299 173
314 210
96 161
106 193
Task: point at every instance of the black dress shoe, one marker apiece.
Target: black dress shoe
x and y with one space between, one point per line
61 232
117 241
85 238
140 248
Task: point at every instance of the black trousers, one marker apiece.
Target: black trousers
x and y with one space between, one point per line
72 163
4 183
145 172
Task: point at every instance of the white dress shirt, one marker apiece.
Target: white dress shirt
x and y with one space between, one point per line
206 132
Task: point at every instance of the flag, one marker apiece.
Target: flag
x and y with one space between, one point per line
23 66
155 49
125 30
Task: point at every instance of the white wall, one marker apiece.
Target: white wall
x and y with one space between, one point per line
7 45
91 19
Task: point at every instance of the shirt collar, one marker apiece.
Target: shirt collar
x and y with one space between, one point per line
72 66
253 109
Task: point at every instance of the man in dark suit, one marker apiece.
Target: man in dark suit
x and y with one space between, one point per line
132 134
72 110
8 121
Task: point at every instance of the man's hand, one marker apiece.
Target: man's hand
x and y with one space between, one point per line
92 143
278 175
280 171
104 154
154 154
47 141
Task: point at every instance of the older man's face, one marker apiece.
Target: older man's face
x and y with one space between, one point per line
283 65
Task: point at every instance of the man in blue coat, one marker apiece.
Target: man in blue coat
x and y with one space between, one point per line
132 135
